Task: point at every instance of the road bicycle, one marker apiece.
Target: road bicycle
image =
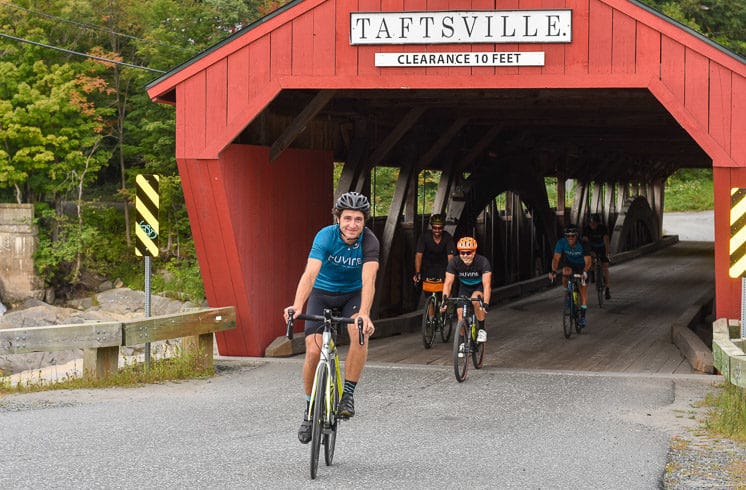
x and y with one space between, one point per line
465 343
327 385
571 306
598 277
433 320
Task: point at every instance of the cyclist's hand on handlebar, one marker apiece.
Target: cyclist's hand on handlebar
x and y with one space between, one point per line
290 310
585 276
552 275
416 278
368 327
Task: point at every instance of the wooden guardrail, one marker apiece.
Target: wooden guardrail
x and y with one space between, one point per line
728 351
100 341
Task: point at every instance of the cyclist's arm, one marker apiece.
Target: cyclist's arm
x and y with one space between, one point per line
555 261
588 262
370 269
418 264
448 284
487 285
305 285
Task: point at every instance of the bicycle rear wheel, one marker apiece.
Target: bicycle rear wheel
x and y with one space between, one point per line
461 341
447 325
319 404
330 438
567 315
600 286
429 321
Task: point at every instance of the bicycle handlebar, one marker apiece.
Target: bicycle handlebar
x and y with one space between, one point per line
327 317
459 299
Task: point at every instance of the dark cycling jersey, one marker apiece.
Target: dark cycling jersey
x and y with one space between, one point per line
435 255
573 256
596 237
342 264
470 276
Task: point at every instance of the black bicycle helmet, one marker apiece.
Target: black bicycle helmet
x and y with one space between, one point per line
571 230
354 201
437 219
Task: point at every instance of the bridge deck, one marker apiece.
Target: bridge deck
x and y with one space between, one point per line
631 333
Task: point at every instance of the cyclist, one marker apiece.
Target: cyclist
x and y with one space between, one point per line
597 236
574 258
435 249
340 274
474 276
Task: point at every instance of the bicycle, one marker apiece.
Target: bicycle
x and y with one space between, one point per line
327 385
465 338
598 277
433 319
571 306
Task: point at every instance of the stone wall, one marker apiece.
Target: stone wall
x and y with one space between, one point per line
19 239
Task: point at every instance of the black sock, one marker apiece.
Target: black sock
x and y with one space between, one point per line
481 324
350 387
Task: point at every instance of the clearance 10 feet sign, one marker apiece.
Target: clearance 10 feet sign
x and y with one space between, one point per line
461 27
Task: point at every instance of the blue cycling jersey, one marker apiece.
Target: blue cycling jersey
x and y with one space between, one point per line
572 255
342 264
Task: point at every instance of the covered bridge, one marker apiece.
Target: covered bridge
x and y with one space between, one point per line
491 96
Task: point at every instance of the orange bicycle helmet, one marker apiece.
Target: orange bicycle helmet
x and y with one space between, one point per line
467 243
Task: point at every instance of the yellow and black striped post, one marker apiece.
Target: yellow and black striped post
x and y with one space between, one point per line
737 246
147 203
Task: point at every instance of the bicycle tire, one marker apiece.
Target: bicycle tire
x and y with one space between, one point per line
319 404
447 326
600 286
576 318
567 315
330 438
429 320
461 364
477 350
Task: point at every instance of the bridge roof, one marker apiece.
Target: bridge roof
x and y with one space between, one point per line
634 95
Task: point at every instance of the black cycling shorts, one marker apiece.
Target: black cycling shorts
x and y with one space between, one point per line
576 268
346 304
600 253
468 291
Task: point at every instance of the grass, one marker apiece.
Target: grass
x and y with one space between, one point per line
727 415
689 190
180 367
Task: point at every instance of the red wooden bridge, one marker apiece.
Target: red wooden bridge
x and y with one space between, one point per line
607 95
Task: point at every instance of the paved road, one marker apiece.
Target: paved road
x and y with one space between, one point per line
690 226
416 428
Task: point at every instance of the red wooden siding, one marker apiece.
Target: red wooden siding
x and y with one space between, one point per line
251 248
616 44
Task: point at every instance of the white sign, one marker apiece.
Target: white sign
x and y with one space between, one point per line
469 58
461 27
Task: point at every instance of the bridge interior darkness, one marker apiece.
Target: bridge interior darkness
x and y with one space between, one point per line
601 135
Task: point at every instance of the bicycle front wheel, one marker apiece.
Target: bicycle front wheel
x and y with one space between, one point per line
319 405
429 319
567 315
330 438
461 341
447 326
477 352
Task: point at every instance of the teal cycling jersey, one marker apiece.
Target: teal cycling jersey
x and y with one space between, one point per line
342 263
571 255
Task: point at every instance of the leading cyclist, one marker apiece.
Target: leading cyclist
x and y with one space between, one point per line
340 274
574 258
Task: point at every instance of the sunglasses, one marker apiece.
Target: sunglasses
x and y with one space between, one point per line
437 228
466 253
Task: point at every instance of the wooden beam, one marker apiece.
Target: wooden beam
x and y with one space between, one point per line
441 143
479 148
354 163
299 123
60 337
178 325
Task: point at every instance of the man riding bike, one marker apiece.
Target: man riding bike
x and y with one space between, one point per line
434 250
574 258
597 236
475 279
340 274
